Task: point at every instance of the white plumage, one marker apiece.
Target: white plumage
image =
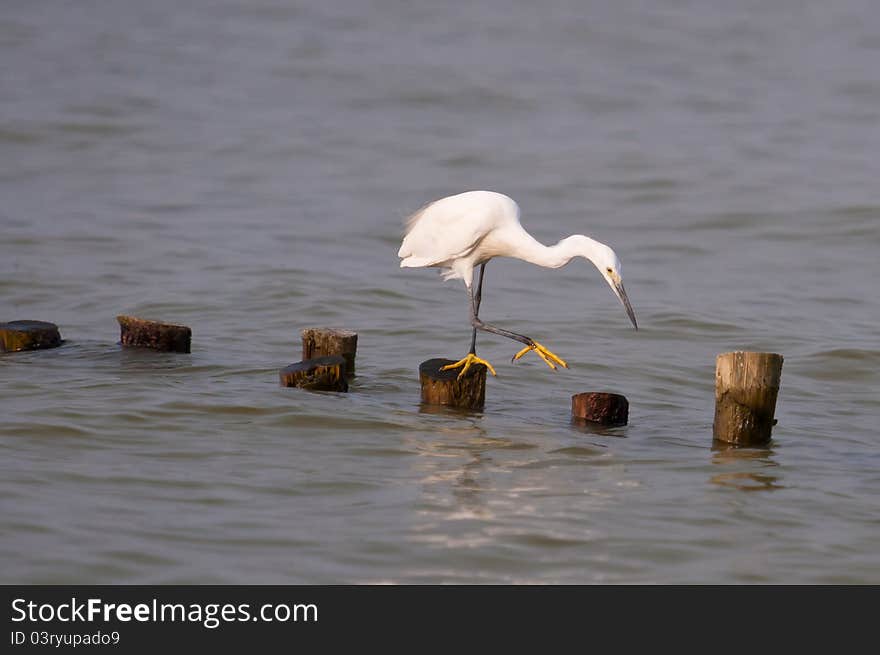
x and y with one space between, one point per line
459 232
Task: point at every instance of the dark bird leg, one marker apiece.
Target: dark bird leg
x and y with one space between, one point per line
477 298
471 358
549 358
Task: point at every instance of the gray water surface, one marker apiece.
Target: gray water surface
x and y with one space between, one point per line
244 168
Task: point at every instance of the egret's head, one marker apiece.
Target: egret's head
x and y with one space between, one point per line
609 266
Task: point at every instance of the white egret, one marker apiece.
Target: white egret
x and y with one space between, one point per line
457 233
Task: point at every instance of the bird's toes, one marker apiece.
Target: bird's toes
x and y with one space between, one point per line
521 353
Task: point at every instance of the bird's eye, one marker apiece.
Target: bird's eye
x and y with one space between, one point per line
609 271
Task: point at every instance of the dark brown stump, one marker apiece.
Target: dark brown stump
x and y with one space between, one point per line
444 387
746 387
153 334
320 342
319 374
602 408
28 335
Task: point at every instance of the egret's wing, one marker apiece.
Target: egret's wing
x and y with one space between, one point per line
441 232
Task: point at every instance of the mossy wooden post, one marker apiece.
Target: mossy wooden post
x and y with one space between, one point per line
746 387
444 387
320 342
318 374
599 407
28 335
142 333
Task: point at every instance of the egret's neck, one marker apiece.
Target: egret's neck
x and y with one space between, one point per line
560 254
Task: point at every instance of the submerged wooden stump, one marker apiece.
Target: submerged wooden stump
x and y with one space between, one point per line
746 387
153 334
28 335
444 387
320 342
599 407
319 374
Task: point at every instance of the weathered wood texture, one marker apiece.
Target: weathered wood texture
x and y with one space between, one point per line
143 333
318 374
599 407
444 387
320 342
746 388
28 335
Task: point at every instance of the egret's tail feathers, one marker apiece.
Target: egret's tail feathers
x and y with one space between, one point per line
446 272
415 262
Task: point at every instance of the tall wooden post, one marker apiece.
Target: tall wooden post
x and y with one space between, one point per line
746 387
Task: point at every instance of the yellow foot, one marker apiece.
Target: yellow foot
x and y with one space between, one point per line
467 362
551 359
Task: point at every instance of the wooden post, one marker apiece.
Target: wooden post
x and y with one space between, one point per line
319 374
319 342
746 387
602 408
153 334
28 335
444 387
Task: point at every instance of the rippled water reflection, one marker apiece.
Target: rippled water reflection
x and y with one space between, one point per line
244 168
